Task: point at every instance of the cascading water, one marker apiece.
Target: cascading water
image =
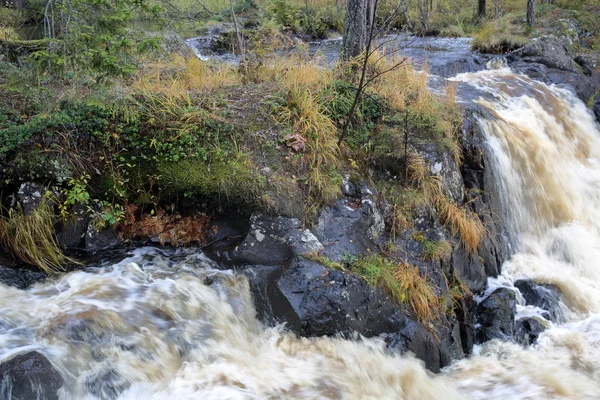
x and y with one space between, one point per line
166 326
545 150
159 329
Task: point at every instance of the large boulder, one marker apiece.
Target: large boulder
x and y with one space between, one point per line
274 240
546 50
20 278
327 302
29 376
351 226
313 300
422 343
546 297
596 106
496 316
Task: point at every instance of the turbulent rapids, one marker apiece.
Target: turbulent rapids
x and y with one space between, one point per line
171 326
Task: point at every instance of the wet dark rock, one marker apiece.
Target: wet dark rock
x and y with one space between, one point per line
596 107
107 385
546 297
469 269
351 226
71 233
547 50
270 304
482 198
229 233
29 376
528 330
326 302
464 316
578 76
100 239
30 195
496 316
273 240
415 338
20 278
313 300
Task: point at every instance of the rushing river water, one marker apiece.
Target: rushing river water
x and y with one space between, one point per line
169 325
444 56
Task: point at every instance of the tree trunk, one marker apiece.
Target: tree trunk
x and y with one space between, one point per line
238 34
405 11
531 12
481 9
424 14
355 28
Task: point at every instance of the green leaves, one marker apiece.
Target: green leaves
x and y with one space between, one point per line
93 37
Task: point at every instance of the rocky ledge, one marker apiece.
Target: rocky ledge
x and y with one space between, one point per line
553 60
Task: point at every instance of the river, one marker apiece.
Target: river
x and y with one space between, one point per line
167 324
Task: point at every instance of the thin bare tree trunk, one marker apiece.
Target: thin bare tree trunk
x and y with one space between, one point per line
531 12
238 34
424 14
405 12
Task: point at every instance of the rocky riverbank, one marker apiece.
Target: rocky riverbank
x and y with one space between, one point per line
281 259
302 272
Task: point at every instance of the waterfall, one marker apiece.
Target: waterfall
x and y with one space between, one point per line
172 326
545 150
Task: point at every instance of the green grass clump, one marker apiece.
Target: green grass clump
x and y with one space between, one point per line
437 249
403 282
30 238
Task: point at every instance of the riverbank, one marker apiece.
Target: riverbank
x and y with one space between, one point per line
389 229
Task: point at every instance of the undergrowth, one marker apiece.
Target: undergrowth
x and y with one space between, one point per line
30 237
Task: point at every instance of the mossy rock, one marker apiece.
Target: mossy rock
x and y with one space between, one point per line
234 181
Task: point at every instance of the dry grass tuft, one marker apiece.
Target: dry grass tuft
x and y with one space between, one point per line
30 238
405 90
315 136
403 282
182 74
461 222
